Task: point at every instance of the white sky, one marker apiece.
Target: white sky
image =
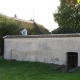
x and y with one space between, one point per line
43 10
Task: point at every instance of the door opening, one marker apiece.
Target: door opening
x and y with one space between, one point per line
72 60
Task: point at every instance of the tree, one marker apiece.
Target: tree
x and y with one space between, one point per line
62 30
7 27
68 16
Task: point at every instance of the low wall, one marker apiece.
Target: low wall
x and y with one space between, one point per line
41 49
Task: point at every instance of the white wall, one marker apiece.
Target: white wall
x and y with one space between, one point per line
49 50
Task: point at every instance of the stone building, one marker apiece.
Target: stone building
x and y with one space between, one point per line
62 49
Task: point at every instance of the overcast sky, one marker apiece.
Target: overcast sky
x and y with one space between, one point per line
41 10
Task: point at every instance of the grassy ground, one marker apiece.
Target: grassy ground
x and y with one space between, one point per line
15 70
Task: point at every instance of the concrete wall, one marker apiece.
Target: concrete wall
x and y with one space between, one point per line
49 50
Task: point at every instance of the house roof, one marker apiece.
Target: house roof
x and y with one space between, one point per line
43 36
18 19
31 25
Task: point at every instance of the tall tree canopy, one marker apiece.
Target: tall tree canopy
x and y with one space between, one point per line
68 17
7 27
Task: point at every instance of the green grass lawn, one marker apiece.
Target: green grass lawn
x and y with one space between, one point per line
16 70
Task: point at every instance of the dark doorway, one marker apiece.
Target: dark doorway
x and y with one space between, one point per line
72 60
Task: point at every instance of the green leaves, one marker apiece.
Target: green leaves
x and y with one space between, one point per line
78 1
68 15
7 27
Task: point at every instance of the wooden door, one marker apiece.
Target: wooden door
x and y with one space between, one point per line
72 60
